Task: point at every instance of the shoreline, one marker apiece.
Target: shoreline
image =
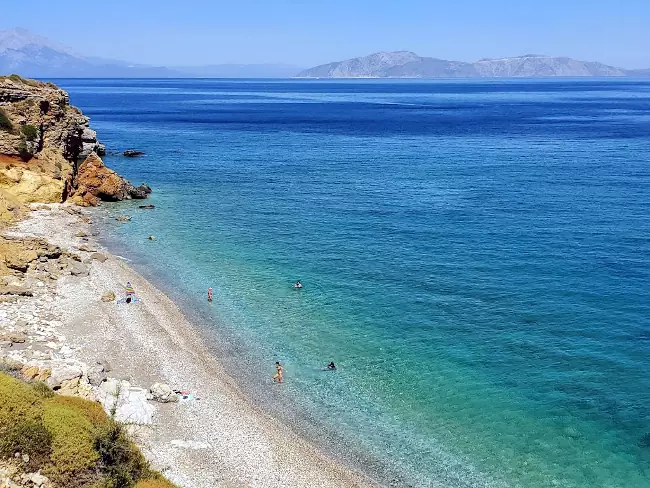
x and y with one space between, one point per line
223 439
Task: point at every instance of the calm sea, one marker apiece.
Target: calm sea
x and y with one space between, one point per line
475 258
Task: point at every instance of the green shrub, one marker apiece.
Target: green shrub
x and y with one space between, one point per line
93 411
18 402
42 389
30 132
27 437
70 439
120 459
20 422
5 123
73 460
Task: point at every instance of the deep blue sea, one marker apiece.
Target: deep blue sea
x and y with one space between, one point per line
475 258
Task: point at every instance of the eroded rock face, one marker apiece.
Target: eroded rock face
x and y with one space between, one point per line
48 152
95 182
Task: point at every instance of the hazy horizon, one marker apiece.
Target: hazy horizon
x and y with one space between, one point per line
165 34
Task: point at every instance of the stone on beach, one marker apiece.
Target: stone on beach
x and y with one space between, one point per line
109 296
163 393
98 257
78 269
135 410
63 373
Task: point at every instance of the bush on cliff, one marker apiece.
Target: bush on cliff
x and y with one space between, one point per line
30 132
5 123
71 440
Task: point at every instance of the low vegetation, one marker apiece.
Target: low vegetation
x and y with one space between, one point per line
5 123
19 79
30 132
71 440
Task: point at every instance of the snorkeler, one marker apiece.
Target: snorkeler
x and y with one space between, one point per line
331 365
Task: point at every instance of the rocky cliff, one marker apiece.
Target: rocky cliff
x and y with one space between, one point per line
48 152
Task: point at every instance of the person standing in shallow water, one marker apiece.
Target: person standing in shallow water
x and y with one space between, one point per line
277 377
210 294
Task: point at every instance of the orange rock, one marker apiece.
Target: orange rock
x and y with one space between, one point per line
95 182
43 374
29 372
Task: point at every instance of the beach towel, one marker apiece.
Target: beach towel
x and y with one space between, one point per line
129 289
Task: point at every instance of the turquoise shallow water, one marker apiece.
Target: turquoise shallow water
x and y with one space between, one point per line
475 255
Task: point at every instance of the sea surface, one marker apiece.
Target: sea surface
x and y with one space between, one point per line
475 258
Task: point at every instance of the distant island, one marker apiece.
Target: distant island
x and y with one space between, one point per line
405 64
29 54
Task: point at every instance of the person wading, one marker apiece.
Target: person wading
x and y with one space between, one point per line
277 377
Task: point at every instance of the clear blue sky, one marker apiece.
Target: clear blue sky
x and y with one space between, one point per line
314 32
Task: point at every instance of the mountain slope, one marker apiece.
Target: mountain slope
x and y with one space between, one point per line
403 64
36 56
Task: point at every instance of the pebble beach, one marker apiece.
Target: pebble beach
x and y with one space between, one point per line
66 328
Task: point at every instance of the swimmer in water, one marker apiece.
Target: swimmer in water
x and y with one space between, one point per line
331 366
298 284
277 377
210 294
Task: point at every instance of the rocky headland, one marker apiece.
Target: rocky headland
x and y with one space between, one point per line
48 152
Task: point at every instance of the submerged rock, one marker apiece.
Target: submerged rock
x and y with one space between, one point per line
123 218
132 153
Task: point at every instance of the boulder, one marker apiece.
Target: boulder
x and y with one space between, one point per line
135 409
98 257
36 479
29 372
95 183
15 290
63 374
78 269
14 337
20 261
147 207
109 296
96 375
162 393
81 233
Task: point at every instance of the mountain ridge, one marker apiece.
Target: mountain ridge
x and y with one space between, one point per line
35 56
406 64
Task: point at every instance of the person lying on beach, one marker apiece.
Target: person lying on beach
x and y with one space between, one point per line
298 284
331 365
277 377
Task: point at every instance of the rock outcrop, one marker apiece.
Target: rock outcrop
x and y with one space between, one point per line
48 152
95 182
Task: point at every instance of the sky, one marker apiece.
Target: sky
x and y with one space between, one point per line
307 33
